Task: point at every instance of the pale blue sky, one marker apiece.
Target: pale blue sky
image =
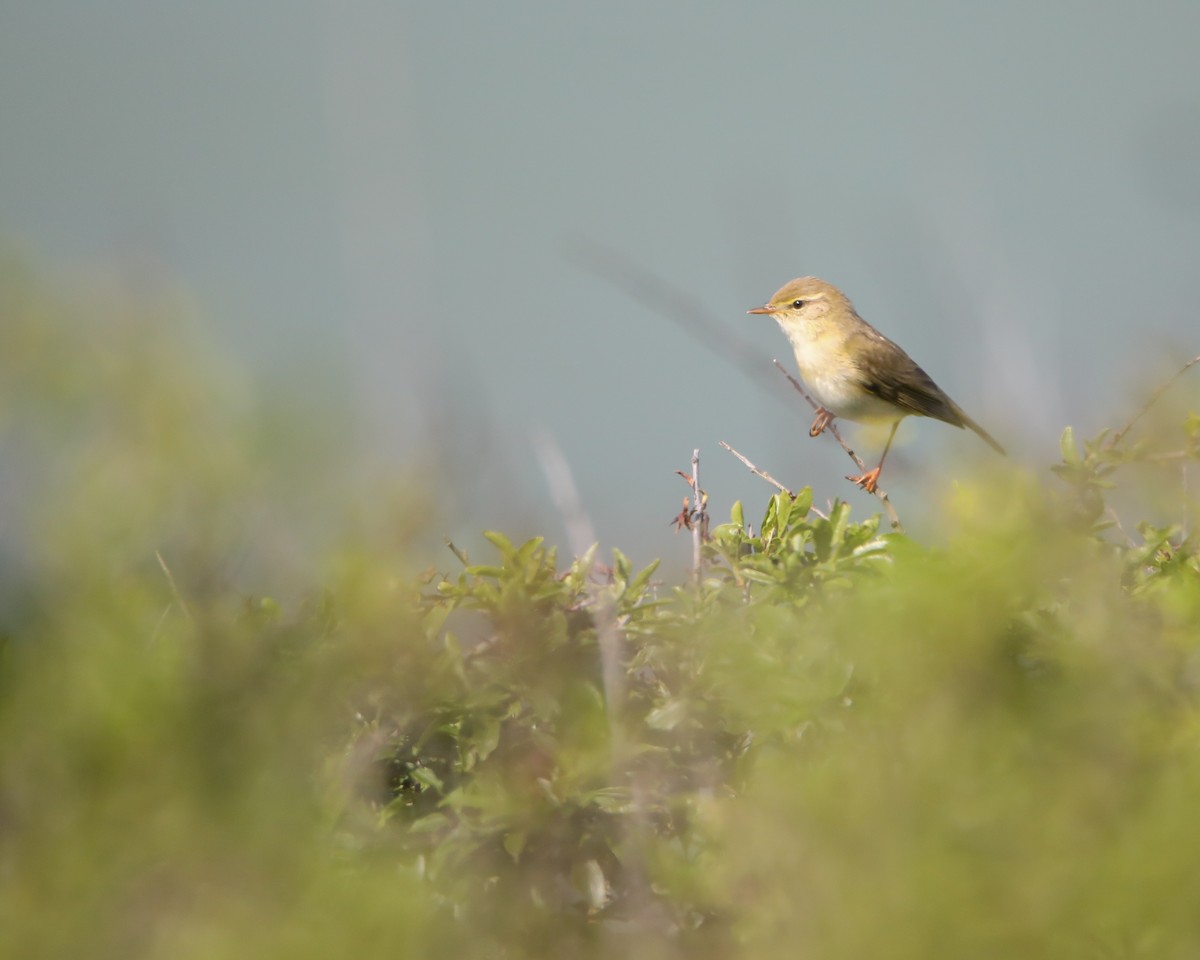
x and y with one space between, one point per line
384 194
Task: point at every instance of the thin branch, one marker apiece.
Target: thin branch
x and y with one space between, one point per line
461 554
682 309
1151 401
174 586
759 473
831 427
893 516
1112 514
610 640
581 536
1188 503
700 519
694 517
766 476
1171 457
879 492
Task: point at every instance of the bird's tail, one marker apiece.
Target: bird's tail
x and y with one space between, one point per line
984 435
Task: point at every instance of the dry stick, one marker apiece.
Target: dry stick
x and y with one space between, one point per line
1188 507
1174 456
699 519
582 535
831 427
759 473
174 586
678 306
1153 399
766 476
609 638
1112 514
1120 435
1188 523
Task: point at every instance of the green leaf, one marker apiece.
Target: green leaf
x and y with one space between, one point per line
770 523
1066 443
622 568
783 511
638 584
428 824
427 778
495 573
803 502
527 552
514 842
668 716
500 542
487 739
583 566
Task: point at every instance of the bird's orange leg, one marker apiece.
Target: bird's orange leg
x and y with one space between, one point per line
869 480
823 419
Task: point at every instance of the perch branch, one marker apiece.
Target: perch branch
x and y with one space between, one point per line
831 427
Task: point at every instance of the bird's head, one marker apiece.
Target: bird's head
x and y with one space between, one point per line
802 301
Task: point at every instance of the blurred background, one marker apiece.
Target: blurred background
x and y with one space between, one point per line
392 216
289 292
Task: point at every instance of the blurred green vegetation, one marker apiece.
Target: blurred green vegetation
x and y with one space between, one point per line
840 743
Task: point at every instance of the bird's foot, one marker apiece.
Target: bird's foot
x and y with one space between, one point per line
868 481
823 419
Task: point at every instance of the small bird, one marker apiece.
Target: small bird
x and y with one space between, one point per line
853 370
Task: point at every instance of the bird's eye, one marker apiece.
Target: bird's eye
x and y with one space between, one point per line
797 304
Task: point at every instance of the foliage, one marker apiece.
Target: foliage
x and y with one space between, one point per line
835 743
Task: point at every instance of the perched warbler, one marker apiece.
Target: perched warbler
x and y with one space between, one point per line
853 370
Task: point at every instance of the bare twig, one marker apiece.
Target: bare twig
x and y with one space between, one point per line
673 303
1189 505
582 535
1151 401
694 516
460 554
609 637
766 476
174 586
1172 456
1116 520
831 427
1177 456
757 472
700 526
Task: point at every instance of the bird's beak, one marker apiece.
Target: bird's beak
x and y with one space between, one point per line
765 309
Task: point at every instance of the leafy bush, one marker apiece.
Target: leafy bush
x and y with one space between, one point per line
837 742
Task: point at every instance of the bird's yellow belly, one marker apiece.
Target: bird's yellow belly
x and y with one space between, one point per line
837 385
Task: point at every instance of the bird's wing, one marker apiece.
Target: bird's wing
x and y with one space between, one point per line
891 374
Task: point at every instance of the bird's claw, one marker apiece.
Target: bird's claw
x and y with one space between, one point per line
868 481
823 419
